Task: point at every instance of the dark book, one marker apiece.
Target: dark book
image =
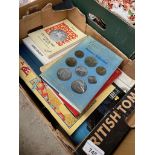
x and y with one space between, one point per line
83 131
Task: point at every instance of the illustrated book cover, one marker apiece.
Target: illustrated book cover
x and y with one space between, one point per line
114 76
55 106
53 39
82 72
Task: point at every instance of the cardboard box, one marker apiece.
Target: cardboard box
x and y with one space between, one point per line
117 31
47 16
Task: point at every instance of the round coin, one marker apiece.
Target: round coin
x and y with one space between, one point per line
81 71
100 70
64 74
79 54
92 79
90 61
71 62
79 86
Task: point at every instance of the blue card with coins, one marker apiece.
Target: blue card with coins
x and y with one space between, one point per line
82 72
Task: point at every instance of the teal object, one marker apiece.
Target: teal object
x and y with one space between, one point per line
116 30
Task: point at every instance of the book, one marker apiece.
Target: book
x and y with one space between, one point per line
114 76
124 82
82 72
39 54
113 127
114 97
33 62
55 106
88 125
30 58
53 39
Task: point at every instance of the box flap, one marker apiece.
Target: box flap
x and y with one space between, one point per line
35 6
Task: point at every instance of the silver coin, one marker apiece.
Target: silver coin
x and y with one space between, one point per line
64 74
81 71
90 61
100 70
58 35
79 86
92 79
71 61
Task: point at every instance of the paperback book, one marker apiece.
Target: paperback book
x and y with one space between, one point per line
114 76
82 72
30 58
55 106
121 88
40 55
87 126
53 39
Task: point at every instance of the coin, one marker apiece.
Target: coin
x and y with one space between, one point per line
64 74
90 61
92 79
71 61
100 70
58 35
79 86
81 71
79 54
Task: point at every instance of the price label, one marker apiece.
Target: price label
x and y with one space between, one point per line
91 149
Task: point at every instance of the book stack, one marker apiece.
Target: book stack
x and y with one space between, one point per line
73 75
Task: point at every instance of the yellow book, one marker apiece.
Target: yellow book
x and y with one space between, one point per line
55 38
59 111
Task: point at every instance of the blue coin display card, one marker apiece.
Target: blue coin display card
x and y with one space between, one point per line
82 72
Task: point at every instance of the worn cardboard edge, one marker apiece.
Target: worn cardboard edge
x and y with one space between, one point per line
37 4
68 146
33 105
129 68
131 120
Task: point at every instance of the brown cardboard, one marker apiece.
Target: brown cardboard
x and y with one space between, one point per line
131 120
58 135
46 16
129 69
35 6
127 147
